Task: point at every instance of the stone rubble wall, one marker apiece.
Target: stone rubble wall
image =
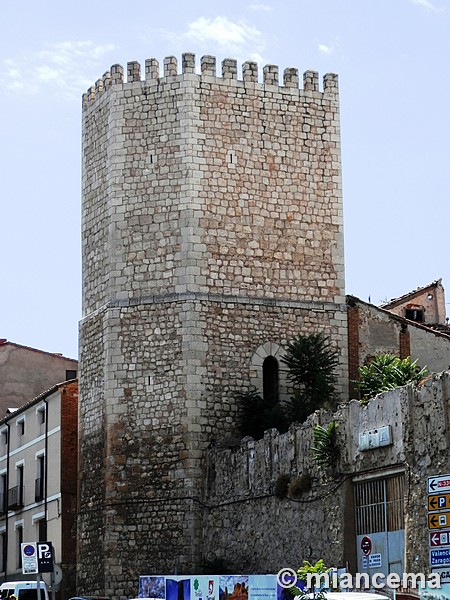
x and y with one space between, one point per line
254 531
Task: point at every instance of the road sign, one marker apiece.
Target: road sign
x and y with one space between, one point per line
438 501
29 558
439 520
45 557
438 484
444 573
37 557
439 538
374 561
366 545
440 557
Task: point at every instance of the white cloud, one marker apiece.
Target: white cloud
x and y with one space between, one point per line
426 4
261 7
324 49
222 31
65 66
236 39
220 35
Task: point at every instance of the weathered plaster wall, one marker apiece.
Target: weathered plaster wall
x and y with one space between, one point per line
27 372
430 348
431 299
254 531
379 332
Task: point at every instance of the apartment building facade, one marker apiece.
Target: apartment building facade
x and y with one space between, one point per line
38 482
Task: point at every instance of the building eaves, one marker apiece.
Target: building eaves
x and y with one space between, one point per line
36 400
352 300
410 295
5 342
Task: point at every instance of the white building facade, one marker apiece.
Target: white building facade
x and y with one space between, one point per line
38 482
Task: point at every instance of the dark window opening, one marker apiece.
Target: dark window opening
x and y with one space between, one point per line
42 530
414 314
271 381
41 416
3 494
19 545
39 482
71 375
3 549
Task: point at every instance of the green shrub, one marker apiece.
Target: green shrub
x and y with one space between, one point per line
282 486
300 485
386 372
259 415
325 451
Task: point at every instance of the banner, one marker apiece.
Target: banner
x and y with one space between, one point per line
208 587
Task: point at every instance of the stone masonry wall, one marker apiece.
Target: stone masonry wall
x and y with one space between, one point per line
212 227
254 531
214 185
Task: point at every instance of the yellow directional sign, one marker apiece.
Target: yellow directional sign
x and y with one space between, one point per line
438 502
439 520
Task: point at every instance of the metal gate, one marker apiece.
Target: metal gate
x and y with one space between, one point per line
380 529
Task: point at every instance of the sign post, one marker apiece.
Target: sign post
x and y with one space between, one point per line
37 558
438 490
29 558
45 557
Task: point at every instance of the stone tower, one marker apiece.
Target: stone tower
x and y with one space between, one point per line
212 235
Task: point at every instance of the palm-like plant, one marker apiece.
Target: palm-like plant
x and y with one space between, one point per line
386 372
325 450
311 363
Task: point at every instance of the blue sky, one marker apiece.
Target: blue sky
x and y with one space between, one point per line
393 62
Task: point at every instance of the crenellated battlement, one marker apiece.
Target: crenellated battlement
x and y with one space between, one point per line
208 69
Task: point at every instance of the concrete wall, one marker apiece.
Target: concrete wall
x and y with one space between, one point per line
255 532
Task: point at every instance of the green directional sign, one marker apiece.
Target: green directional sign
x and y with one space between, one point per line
438 502
439 520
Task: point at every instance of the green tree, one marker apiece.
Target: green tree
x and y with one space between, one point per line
386 372
311 363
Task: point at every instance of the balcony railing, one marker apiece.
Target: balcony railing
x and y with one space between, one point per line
15 497
39 489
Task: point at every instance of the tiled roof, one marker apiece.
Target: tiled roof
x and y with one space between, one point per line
401 299
5 342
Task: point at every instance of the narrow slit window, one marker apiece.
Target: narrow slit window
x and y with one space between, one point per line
271 380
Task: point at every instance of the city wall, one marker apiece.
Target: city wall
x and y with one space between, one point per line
254 531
